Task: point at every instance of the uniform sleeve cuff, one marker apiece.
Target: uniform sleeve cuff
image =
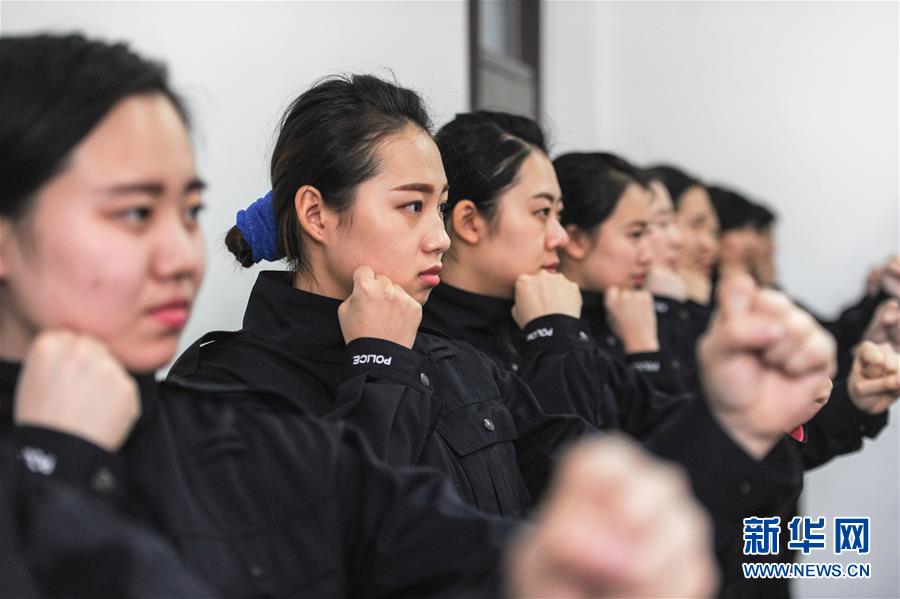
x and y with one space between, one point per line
555 331
648 362
383 359
70 459
842 412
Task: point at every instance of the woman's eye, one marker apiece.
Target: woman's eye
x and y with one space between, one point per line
543 212
135 215
193 212
415 207
443 209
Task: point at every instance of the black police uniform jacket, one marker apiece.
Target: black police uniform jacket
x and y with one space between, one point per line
838 428
257 503
442 404
673 368
569 372
59 542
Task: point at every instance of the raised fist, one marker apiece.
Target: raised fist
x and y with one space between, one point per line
632 317
763 363
545 293
615 523
874 382
379 308
71 383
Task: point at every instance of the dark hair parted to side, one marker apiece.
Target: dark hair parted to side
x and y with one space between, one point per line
592 184
54 89
763 217
328 139
482 153
733 209
676 181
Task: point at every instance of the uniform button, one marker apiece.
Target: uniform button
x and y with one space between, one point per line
424 378
256 571
515 367
610 340
862 428
683 314
582 336
488 424
744 487
103 481
676 364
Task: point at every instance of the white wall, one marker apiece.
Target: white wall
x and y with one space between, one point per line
240 64
796 103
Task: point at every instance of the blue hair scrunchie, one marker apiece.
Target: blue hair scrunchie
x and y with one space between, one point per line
257 225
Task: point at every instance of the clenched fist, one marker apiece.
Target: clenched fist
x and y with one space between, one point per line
885 324
632 317
545 293
72 384
874 382
885 276
379 308
763 364
666 282
616 523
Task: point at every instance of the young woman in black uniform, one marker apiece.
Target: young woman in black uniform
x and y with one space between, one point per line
358 195
610 258
100 259
500 294
591 181
677 331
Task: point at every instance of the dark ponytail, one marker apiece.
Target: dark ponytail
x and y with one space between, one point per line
237 245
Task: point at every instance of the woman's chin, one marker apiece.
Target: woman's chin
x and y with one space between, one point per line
147 359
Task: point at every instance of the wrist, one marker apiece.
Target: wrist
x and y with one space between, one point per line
757 443
640 344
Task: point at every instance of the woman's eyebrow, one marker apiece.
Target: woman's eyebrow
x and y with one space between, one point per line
426 188
546 195
152 188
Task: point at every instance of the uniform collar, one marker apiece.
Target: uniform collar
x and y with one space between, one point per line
483 321
462 313
593 311
295 321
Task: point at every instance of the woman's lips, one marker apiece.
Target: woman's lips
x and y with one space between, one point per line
431 276
173 315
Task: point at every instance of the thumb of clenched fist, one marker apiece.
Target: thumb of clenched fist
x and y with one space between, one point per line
545 293
72 384
379 308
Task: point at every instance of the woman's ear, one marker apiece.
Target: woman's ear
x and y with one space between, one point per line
579 243
312 214
467 223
